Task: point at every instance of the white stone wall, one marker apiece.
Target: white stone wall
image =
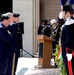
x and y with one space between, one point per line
24 7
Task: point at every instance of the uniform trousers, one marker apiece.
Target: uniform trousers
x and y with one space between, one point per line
65 58
40 50
9 68
3 66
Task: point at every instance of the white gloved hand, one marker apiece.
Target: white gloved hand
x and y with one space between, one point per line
69 56
52 62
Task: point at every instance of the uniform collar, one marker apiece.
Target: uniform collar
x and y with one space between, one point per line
69 21
12 23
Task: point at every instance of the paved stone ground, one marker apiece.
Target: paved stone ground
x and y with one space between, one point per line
26 66
42 72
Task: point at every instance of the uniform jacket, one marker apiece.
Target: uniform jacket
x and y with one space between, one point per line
44 30
67 38
18 35
55 34
5 42
11 28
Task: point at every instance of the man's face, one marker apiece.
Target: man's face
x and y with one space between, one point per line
67 15
43 23
54 25
16 19
11 18
7 22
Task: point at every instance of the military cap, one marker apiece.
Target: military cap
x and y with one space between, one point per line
44 20
67 8
16 14
9 13
53 21
4 16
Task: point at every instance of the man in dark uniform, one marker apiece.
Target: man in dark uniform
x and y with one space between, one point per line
55 33
11 28
18 36
5 45
67 40
43 30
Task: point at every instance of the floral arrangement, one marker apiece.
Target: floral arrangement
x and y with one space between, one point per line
59 61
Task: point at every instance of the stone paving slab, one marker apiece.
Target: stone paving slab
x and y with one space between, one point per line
42 72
